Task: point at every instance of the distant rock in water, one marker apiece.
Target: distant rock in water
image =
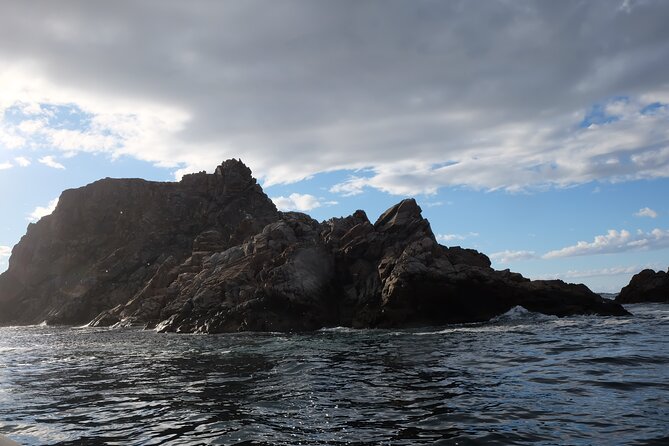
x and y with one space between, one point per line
646 286
211 253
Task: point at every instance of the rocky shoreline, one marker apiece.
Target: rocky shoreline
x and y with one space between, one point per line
211 254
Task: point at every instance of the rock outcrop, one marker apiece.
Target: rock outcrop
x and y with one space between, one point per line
108 241
646 286
212 254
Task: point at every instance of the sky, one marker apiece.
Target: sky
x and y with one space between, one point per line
534 131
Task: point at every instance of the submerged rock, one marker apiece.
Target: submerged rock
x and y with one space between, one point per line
646 286
212 254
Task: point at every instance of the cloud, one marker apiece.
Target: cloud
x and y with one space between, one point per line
646 212
536 155
615 241
5 252
9 139
31 126
41 211
626 6
300 202
352 186
432 204
452 237
511 256
6 165
51 162
601 272
299 87
22 161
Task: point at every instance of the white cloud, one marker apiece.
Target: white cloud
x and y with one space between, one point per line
646 212
5 252
350 96
22 161
41 211
81 141
615 241
6 165
600 272
510 256
432 204
31 126
9 138
299 202
452 237
352 186
51 162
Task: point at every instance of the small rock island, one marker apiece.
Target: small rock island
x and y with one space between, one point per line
212 254
646 286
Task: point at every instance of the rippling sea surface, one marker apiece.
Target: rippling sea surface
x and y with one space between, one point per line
520 379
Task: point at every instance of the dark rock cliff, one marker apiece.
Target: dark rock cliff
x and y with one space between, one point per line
105 241
212 254
646 286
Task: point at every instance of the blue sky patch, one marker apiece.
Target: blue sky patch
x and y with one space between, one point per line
598 115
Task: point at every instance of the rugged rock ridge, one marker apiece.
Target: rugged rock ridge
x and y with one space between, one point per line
105 241
212 254
646 286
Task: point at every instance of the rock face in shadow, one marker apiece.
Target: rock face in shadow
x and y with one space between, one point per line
212 254
111 239
646 286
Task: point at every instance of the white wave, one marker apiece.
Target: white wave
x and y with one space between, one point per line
338 329
476 327
521 314
516 316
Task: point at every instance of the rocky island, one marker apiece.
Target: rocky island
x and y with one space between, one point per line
211 254
646 286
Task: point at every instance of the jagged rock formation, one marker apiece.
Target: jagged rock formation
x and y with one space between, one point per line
212 254
105 241
646 286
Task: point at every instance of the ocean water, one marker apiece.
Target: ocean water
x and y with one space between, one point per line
520 379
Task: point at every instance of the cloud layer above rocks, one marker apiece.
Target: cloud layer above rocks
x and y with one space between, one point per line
414 95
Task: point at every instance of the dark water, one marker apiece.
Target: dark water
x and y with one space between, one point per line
522 379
